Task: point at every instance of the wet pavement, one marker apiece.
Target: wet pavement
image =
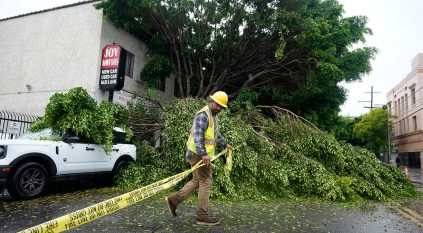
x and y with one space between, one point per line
416 177
151 215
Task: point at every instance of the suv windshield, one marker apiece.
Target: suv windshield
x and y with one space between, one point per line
45 134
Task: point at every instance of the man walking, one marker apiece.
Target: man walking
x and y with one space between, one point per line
201 146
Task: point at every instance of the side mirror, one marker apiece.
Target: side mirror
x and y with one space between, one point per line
72 139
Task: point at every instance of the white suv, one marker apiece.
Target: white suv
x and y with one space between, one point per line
29 164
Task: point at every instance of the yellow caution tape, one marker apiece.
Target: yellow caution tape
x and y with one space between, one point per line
228 165
101 209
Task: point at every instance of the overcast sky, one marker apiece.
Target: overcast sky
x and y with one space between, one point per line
397 32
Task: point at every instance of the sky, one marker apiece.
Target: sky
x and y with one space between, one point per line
397 33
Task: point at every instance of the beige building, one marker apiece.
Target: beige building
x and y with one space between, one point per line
54 50
405 103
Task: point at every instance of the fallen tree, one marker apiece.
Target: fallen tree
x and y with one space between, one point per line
77 111
278 155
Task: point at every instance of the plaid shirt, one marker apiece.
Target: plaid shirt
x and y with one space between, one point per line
199 127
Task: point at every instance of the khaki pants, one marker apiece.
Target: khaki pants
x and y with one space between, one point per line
202 179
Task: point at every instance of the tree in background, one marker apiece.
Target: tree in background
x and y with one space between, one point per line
343 130
373 129
293 53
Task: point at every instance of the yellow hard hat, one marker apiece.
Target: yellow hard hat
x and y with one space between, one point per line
221 98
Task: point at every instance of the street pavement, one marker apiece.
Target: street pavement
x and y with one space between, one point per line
413 209
151 215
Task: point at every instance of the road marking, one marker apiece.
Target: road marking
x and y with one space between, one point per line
415 217
413 213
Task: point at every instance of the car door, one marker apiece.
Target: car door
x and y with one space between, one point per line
77 155
107 163
103 160
109 160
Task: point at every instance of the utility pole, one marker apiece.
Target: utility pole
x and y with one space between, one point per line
371 99
389 137
371 108
388 155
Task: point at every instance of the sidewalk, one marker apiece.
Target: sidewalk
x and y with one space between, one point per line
413 209
416 177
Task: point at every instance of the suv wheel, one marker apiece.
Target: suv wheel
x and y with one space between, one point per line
28 181
121 165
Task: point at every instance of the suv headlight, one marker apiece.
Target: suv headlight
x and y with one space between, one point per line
3 151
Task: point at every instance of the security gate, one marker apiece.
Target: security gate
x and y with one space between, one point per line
14 124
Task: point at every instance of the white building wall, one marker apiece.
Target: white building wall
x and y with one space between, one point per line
403 121
417 61
408 139
59 49
52 51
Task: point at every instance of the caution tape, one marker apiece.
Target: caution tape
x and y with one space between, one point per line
101 209
228 165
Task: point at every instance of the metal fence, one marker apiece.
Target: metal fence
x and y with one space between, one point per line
14 124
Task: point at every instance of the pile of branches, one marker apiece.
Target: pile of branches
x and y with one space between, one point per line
296 123
278 155
146 119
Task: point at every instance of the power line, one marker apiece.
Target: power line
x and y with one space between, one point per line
371 98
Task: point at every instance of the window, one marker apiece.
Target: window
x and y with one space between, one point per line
403 126
407 123
402 105
72 137
413 95
161 85
396 131
400 127
129 68
396 108
406 103
119 137
415 123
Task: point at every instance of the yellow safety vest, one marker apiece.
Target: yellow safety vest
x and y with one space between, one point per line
210 135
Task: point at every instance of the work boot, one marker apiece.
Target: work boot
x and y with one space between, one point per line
207 220
171 206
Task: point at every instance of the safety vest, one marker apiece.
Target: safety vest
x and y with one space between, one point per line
210 135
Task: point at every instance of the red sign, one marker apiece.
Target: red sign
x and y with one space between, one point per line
110 57
112 74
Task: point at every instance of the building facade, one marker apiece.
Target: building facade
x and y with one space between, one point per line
405 104
55 50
